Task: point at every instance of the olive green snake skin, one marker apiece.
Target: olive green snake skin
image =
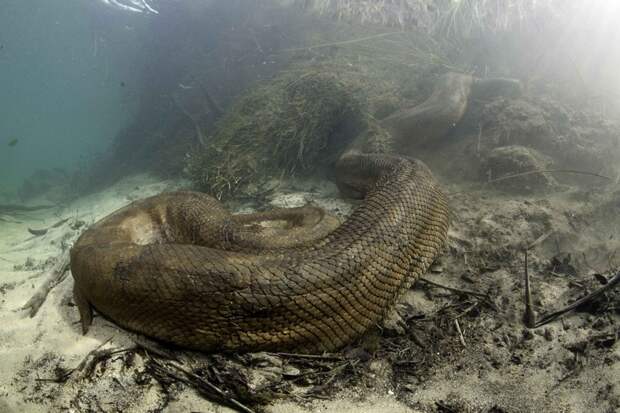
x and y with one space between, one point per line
159 266
180 268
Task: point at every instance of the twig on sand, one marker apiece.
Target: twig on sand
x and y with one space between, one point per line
483 297
57 275
456 290
329 357
540 239
458 328
467 310
571 171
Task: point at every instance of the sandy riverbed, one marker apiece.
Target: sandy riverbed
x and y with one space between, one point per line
493 365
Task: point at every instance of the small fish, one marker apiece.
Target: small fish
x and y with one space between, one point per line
122 84
182 86
13 142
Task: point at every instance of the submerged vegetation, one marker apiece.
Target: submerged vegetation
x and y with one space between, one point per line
282 127
296 124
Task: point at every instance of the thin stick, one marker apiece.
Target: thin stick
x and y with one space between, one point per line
458 290
611 284
311 356
361 39
479 138
572 171
467 310
458 328
213 106
199 136
540 239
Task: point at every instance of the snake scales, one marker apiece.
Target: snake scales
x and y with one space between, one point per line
180 268
159 266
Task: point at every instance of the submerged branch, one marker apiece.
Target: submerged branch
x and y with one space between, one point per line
213 105
572 171
199 135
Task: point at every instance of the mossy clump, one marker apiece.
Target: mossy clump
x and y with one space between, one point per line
289 126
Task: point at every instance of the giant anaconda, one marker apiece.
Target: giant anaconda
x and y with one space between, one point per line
178 267
152 267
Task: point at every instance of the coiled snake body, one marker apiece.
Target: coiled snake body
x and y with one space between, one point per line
180 268
166 266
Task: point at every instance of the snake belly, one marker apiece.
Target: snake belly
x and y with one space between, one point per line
171 267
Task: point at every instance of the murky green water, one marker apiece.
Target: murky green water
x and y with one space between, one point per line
66 76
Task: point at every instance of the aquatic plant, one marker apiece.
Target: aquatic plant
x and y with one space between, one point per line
336 86
279 128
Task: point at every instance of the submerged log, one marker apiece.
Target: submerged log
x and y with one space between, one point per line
56 275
